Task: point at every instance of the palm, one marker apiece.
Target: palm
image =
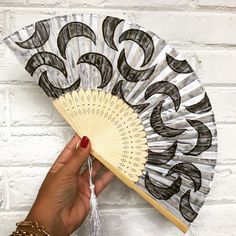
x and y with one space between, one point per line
76 212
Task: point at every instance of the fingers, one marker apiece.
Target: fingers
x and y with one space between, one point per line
103 181
69 149
97 165
80 155
66 154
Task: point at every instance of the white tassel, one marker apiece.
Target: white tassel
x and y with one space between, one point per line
95 223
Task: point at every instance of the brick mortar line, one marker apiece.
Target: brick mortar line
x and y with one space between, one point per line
48 165
33 126
201 46
229 86
111 210
117 208
28 166
58 125
218 85
7 191
182 9
190 45
52 125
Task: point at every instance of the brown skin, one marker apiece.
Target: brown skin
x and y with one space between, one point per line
63 201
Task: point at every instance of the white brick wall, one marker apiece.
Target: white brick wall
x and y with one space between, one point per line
203 30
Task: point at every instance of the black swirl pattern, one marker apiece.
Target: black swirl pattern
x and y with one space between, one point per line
143 39
38 38
177 65
53 91
71 30
131 74
108 29
102 63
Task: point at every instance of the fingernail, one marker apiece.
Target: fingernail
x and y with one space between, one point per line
84 142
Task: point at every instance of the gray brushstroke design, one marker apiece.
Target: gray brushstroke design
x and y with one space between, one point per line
162 193
38 38
53 91
71 30
159 158
165 87
117 91
131 74
201 107
178 66
143 39
102 63
185 208
108 29
45 58
158 125
204 140
188 170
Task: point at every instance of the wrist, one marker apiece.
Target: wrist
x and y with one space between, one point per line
41 215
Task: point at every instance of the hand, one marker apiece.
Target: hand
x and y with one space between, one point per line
63 201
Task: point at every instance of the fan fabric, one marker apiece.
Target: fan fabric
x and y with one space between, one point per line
91 54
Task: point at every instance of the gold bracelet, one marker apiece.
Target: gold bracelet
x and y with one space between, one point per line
28 228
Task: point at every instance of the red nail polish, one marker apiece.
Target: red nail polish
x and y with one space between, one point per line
84 142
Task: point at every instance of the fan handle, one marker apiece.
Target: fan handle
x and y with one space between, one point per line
183 227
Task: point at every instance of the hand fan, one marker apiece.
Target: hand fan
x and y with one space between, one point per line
141 104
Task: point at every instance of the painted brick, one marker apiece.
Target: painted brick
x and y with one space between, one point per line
222 100
140 4
3 77
8 221
226 143
222 188
24 184
3 194
216 3
195 27
211 65
3 23
214 64
3 107
12 2
216 220
30 106
34 145
45 3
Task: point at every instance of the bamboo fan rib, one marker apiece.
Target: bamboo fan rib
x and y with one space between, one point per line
149 119
115 131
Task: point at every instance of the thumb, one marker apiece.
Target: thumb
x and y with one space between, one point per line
81 154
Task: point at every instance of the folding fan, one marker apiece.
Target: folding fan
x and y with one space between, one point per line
141 104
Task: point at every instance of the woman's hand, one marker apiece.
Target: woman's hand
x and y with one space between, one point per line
63 201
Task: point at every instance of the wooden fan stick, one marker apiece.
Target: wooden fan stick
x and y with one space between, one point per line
183 227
